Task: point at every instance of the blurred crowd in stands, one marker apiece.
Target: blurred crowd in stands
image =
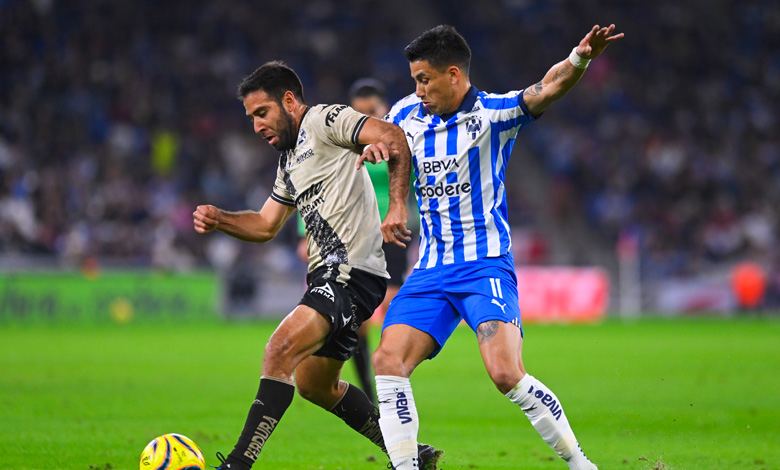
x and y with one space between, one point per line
118 117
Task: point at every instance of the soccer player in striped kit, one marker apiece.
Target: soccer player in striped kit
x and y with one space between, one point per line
461 139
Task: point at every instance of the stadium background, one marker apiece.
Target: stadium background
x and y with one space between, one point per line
661 167
117 118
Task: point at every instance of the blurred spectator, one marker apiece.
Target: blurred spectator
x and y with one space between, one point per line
118 117
748 281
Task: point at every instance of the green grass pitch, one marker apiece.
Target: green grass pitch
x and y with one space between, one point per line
652 394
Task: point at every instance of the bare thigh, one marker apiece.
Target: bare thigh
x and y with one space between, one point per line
302 332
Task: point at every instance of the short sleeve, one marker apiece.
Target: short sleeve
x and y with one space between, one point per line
280 192
343 125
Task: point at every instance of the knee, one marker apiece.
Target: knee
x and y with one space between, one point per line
277 348
504 379
310 392
381 361
278 359
387 363
401 349
323 395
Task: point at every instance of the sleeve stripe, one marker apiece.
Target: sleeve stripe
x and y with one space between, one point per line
524 107
282 200
357 130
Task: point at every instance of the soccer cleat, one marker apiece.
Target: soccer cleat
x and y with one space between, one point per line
223 464
427 457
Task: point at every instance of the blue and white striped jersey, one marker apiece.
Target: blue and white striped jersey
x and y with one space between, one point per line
459 164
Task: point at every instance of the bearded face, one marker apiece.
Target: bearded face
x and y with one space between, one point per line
271 120
286 131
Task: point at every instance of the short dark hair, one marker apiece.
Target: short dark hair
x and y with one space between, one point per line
441 46
367 87
275 78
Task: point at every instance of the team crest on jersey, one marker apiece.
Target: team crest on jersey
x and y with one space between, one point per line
473 126
301 137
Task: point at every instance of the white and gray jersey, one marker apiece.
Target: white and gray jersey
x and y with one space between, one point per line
336 202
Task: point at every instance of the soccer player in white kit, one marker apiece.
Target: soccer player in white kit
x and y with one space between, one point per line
347 278
461 140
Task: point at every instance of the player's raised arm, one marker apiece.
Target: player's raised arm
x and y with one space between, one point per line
246 225
565 74
388 143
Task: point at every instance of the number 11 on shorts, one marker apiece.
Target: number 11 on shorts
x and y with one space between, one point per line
495 284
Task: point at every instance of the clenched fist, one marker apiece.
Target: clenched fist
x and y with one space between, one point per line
205 218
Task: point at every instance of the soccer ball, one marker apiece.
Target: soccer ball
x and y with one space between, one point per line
172 452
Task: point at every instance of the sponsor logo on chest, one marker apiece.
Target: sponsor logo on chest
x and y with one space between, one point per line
436 166
298 158
439 169
309 199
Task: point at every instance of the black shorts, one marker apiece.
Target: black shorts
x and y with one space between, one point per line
347 306
397 263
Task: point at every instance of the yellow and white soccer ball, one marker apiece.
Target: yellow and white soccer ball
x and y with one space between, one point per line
172 452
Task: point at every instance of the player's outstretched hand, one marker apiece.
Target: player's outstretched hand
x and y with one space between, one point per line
596 41
375 153
205 218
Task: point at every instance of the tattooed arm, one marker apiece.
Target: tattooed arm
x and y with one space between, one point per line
563 76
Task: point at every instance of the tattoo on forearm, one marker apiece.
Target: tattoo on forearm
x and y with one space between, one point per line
487 330
560 73
535 91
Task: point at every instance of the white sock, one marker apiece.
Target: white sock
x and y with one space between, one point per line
545 412
398 420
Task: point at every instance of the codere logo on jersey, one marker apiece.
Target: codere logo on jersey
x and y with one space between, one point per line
441 189
325 291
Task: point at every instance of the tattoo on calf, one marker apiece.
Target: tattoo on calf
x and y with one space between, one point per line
487 330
